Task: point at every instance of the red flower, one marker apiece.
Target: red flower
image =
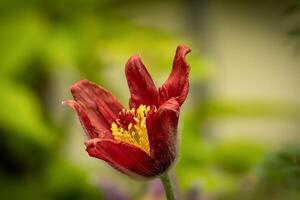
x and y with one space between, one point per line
142 141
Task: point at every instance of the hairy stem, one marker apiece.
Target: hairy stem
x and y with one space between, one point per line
165 179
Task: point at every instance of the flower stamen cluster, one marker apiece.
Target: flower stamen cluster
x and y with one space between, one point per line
131 127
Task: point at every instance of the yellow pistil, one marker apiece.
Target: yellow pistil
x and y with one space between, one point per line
136 132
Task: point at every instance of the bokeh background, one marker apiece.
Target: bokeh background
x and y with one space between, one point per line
240 126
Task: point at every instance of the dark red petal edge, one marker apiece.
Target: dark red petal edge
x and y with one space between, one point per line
96 105
140 83
124 157
162 134
177 84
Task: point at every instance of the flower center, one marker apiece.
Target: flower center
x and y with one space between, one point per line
131 128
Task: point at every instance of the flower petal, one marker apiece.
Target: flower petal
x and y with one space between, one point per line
177 85
140 83
162 133
89 129
124 157
98 104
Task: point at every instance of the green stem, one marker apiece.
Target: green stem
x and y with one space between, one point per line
165 179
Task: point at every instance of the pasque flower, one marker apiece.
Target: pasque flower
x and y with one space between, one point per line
140 141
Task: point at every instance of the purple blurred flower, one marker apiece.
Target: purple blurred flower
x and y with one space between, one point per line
194 193
112 191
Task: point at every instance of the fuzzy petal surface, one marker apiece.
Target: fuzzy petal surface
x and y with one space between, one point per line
96 105
177 84
140 83
162 134
124 157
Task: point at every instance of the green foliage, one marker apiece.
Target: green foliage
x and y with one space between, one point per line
282 170
21 114
237 157
65 181
277 176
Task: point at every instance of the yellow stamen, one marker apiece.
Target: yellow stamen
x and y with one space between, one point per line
136 134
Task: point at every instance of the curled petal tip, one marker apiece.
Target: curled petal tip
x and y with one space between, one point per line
92 142
89 147
183 48
88 143
182 51
133 59
69 103
177 84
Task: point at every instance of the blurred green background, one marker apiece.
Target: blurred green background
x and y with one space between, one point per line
240 126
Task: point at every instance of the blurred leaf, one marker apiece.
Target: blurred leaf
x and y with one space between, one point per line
278 176
20 39
67 182
282 170
237 157
21 115
21 189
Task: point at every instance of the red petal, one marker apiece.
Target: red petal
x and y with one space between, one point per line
99 106
162 133
84 119
140 83
177 85
124 157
